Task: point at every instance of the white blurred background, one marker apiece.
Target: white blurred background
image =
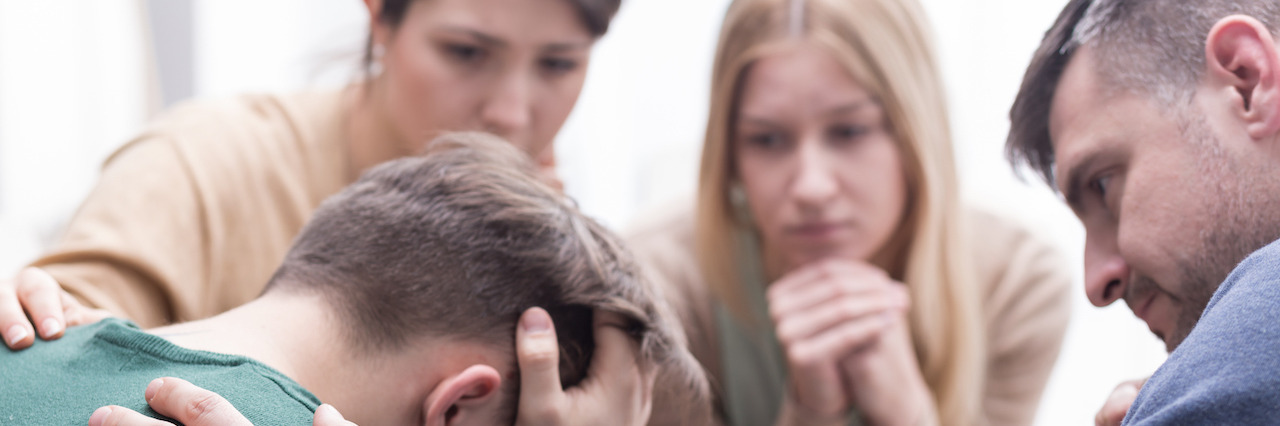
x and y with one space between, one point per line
79 78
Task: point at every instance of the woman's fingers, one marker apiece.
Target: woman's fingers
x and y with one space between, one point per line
822 282
844 339
193 405
14 326
40 295
797 278
806 324
115 415
30 304
190 404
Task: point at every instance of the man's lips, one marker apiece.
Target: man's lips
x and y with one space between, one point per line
1142 310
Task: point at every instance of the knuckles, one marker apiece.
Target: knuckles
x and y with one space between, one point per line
204 407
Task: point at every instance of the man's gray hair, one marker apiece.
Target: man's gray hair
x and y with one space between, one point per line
1149 47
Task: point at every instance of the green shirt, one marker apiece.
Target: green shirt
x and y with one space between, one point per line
111 362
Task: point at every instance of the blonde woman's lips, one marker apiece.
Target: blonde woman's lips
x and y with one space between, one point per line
817 230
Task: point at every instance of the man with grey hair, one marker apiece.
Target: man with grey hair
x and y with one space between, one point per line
1159 121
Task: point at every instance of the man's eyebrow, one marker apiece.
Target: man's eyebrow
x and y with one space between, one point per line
1074 177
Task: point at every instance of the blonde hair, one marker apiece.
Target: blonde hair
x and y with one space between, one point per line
885 46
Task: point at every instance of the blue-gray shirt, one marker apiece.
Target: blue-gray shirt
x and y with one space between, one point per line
1227 371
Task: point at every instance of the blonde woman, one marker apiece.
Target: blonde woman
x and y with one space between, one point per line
830 273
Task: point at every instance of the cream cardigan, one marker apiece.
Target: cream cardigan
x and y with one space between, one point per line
1026 305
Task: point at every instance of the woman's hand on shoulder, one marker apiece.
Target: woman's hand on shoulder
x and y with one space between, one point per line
192 405
824 313
34 297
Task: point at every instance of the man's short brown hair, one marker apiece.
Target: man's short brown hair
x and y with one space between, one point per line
458 243
1149 47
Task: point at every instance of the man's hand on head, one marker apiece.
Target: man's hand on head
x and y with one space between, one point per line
192 405
615 390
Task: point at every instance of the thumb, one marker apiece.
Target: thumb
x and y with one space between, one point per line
538 355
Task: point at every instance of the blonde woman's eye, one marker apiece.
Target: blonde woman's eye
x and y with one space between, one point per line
847 132
766 140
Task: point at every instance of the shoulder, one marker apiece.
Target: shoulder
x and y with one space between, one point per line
224 146
664 239
1025 281
1010 257
211 129
248 110
1227 370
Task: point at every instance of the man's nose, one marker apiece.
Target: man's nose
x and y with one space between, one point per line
1106 277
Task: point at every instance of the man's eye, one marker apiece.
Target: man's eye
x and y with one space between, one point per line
1099 185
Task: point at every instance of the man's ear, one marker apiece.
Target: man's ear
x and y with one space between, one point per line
1241 53
469 397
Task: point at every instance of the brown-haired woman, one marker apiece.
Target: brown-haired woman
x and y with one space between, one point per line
191 218
830 273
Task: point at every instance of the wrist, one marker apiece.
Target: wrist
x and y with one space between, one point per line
918 409
795 414
927 408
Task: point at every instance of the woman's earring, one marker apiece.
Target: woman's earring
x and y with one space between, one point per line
376 53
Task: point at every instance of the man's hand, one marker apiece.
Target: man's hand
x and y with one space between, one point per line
187 403
34 297
615 391
1113 411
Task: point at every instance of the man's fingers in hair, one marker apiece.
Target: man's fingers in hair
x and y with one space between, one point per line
40 294
615 370
326 415
538 354
191 404
115 415
15 329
